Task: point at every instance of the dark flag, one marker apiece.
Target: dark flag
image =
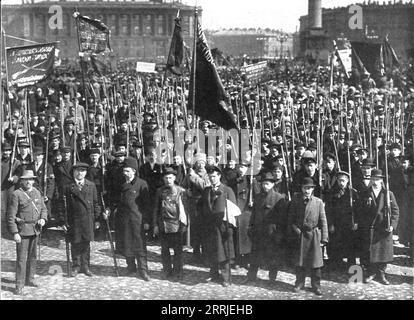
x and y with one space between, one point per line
93 34
27 65
368 56
389 56
210 96
98 66
176 55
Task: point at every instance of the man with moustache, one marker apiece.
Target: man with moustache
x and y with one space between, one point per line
26 215
83 211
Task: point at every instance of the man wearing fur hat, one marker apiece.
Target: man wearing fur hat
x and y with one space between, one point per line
195 182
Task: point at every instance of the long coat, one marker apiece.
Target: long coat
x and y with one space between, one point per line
267 246
308 224
372 213
339 214
133 212
83 209
219 242
243 192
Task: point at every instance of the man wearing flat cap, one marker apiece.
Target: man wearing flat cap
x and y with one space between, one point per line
170 220
308 231
41 168
376 224
218 233
267 229
26 215
83 211
63 170
132 220
24 156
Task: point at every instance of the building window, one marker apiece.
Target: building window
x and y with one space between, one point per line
148 30
160 23
40 25
136 24
185 25
124 24
112 24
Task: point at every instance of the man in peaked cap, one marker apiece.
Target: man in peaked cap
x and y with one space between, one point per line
218 233
83 212
170 220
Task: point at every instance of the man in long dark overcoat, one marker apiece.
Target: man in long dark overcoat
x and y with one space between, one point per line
218 232
132 219
244 189
307 222
83 211
267 229
377 223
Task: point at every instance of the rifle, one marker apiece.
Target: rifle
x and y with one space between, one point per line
108 226
13 155
68 263
228 242
46 161
387 185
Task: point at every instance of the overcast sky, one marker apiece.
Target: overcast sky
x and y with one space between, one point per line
274 14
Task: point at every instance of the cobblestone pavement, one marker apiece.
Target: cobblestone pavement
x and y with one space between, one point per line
104 285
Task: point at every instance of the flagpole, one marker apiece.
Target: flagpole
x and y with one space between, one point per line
194 65
82 73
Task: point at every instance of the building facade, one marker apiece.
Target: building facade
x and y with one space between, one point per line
255 43
140 30
395 19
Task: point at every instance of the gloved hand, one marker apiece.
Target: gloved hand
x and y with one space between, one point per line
146 226
97 225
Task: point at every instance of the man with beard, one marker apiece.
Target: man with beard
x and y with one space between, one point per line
195 182
342 221
132 219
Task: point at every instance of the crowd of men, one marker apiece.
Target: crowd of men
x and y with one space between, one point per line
334 181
